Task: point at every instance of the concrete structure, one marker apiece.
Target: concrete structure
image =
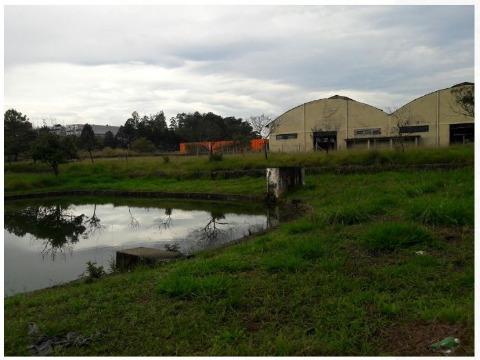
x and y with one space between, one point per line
141 255
281 179
339 122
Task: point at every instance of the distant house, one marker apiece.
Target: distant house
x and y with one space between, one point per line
98 130
58 130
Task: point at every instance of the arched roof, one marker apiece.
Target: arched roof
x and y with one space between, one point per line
466 83
334 97
340 97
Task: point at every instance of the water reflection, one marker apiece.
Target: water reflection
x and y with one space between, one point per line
164 222
37 233
53 225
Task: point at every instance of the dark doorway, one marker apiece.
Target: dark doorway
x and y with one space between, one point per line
325 140
462 133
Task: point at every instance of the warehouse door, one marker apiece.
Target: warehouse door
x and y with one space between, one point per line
461 133
325 140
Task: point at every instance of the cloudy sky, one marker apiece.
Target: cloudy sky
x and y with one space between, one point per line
97 64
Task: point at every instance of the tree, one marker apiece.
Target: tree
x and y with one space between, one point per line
18 133
196 127
143 145
87 139
109 140
53 150
263 126
464 96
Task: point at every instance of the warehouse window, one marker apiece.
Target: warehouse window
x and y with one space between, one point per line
286 136
413 129
367 132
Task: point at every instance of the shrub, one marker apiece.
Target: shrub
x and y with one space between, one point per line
387 237
143 145
93 271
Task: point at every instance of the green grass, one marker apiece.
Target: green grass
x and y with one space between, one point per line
188 286
442 211
329 283
393 236
155 173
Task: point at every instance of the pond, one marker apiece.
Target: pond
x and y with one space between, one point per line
49 241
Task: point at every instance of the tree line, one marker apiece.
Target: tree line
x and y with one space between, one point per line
148 133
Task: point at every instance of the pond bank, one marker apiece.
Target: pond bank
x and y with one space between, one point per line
138 194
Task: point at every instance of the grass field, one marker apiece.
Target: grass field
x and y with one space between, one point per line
344 279
153 173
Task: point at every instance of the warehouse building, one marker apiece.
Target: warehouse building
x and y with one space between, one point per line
338 122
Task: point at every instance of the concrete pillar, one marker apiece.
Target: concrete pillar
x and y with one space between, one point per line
279 180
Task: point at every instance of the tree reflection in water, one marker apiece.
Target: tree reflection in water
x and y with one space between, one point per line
165 222
212 230
93 224
59 229
54 225
134 223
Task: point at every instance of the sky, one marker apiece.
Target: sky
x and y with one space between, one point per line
98 64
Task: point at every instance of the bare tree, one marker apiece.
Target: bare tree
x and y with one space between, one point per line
264 126
401 117
464 100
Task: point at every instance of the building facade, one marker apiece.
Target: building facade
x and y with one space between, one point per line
338 122
76 129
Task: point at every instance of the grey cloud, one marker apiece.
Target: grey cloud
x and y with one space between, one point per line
103 62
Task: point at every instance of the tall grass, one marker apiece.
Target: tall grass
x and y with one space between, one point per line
387 237
442 211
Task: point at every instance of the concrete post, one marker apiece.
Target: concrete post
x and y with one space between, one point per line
279 180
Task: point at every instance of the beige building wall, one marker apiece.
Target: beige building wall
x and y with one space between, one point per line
341 115
352 120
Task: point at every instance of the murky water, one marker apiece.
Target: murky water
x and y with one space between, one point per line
48 242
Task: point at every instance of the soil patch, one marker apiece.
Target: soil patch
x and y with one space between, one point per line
415 338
